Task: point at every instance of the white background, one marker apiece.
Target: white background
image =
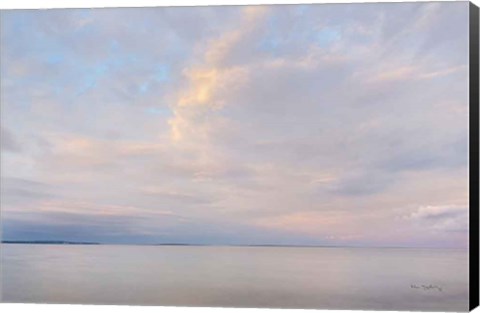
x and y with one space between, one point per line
43 308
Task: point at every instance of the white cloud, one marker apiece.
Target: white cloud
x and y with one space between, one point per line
446 218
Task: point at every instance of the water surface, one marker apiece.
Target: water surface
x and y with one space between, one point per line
285 277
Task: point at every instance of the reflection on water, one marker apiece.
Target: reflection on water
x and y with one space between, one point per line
340 278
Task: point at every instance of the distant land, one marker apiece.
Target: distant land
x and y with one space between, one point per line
50 242
63 242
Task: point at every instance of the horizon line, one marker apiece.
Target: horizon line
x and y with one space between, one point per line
67 242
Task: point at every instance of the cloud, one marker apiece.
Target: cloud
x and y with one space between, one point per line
301 124
445 218
213 79
8 142
361 184
21 192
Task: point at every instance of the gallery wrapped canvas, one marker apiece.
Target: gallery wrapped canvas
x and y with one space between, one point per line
317 156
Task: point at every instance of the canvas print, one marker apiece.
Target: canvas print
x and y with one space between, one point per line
285 156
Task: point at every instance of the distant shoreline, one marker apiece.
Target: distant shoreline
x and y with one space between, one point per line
59 242
48 242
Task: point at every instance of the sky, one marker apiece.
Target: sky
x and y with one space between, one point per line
340 124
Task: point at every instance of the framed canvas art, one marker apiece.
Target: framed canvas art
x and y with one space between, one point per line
316 156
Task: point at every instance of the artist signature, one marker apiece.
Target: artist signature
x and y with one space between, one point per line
427 287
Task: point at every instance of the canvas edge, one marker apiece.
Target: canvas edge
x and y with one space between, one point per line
474 155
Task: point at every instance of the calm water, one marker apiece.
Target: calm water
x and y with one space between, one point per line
340 278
